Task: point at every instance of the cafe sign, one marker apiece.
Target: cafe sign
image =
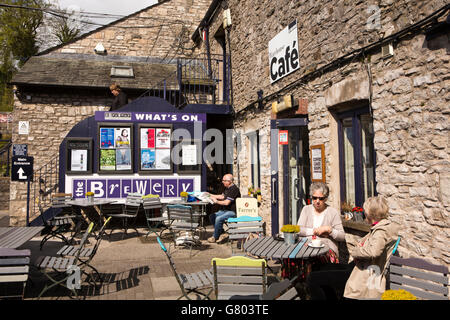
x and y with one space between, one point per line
283 53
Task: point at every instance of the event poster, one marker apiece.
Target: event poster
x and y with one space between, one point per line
189 155
147 159
122 137
106 138
107 159
78 160
123 159
147 138
162 159
163 138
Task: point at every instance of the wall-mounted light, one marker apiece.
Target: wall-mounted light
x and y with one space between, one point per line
99 49
286 103
226 18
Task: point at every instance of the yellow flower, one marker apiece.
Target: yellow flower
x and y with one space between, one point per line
183 194
398 295
90 193
289 228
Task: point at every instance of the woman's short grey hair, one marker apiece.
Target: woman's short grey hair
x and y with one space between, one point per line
376 208
319 186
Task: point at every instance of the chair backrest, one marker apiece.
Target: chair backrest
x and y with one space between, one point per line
283 290
100 235
82 243
132 203
180 212
14 266
421 278
246 207
150 202
59 200
239 277
241 227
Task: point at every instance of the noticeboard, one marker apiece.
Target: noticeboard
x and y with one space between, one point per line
317 156
78 155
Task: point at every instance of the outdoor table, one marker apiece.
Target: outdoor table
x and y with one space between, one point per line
198 206
272 248
85 204
14 237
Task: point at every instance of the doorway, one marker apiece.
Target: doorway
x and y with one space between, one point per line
296 174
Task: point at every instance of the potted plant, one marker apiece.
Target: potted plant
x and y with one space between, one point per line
346 210
358 213
90 196
400 294
258 195
184 196
289 232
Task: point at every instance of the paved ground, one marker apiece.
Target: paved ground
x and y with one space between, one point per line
134 269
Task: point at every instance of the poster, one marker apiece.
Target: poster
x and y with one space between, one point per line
163 138
189 155
162 158
123 159
147 159
106 138
122 137
107 159
316 161
78 160
147 138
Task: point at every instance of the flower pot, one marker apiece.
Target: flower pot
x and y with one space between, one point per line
184 199
289 238
90 198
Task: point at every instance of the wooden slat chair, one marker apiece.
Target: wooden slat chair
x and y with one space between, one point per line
182 220
284 290
54 227
55 268
14 267
421 278
191 282
129 211
239 278
86 254
241 227
151 203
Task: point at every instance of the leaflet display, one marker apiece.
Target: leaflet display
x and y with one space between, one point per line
155 148
115 148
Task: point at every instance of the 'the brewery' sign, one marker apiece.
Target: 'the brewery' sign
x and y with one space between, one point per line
283 53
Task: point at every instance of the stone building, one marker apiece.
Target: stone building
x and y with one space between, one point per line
368 84
64 85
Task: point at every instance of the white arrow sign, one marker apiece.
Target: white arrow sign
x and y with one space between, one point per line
21 172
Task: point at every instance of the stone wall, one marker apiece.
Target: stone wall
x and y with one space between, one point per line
410 102
162 31
50 118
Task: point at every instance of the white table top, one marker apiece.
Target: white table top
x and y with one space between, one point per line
87 203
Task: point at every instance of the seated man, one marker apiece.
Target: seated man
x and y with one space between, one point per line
227 200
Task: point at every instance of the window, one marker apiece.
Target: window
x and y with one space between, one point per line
357 156
254 158
116 144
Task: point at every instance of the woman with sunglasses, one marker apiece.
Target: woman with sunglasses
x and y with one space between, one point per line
322 221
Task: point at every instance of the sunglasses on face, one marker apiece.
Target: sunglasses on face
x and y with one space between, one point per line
318 198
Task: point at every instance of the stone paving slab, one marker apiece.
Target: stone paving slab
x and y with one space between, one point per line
133 269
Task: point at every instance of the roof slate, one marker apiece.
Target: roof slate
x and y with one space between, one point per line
85 71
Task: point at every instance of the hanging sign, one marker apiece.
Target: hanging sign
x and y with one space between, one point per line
283 53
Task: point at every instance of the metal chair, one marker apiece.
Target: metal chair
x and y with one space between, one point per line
86 254
14 267
182 219
150 203
284 290
240 228
55 268
239 278
191 282
54 227
129 211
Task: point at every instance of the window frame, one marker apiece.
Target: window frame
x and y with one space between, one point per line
253 138
357 154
